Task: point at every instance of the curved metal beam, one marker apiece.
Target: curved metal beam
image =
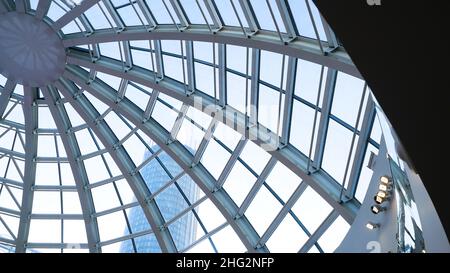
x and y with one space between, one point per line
42 8
6 94
72 149
73 13
305 49
30 109
123 161
176 151
289 156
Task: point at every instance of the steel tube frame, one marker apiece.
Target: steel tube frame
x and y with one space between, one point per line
305 49
288 155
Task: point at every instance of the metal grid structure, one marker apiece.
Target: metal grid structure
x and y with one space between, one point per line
144 71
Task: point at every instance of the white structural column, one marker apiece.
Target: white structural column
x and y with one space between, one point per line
120 156
30 110
72 149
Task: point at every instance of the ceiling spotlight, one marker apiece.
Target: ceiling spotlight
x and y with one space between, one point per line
385 179
378 199
385 187
372 226
382 194
377 209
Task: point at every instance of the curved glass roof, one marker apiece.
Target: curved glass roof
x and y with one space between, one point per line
244 123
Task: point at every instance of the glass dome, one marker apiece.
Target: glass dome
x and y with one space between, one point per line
127 124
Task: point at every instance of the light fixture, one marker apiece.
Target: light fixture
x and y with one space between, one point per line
378 199
385 187
377 209
383 194
385 179
372 226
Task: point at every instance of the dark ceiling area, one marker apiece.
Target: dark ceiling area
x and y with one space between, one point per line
399 47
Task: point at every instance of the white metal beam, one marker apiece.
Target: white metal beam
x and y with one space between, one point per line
175 150
190 67
319 232
249 15
73 13
361 147
254 86
222 75
204 143
286 16
305 49
283 212
288 155
288 100
6 94
324 118
72 149
231 162
180 13
120 156
42 8
213 13
257 186
30 110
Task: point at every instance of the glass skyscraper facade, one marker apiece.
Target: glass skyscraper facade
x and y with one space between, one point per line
170 202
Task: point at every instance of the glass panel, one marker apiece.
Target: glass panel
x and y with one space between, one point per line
228 15
255 156
366 174
45 231
105 197
271 67
111 225
129 16
268 108
307 81
227 241
193 12
264 17
302 128
303 20
236 91
334 235
263 210
283 181
311 209
74 232
347 98
210 215
287 238
215 158
337 148
46 202
239 183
